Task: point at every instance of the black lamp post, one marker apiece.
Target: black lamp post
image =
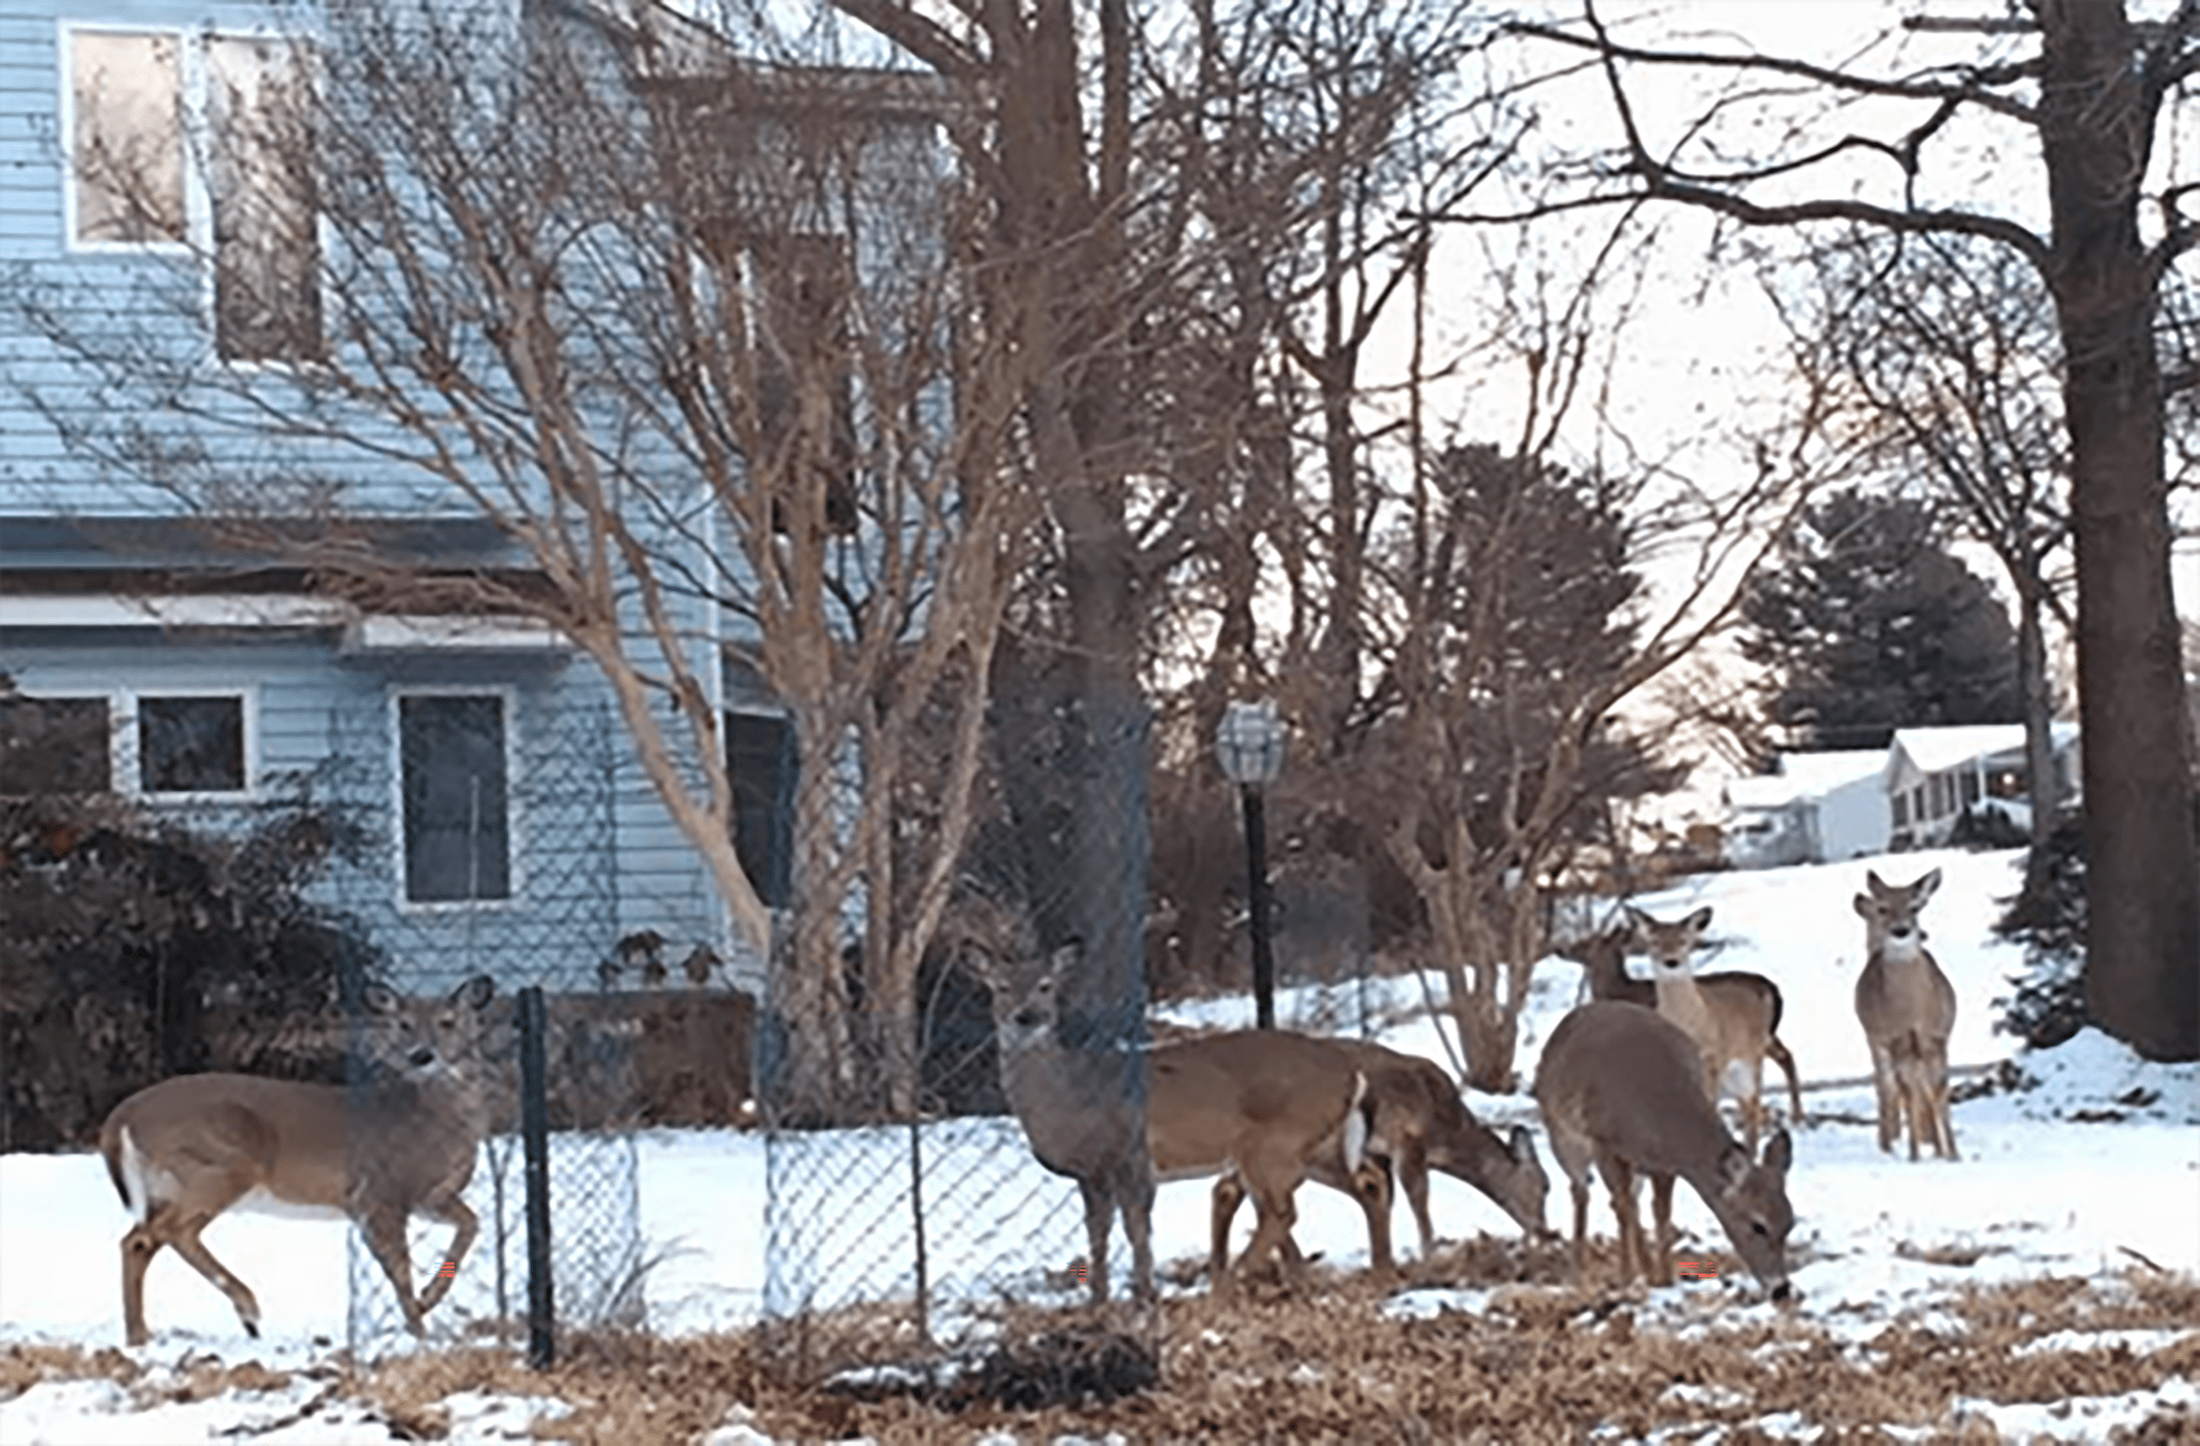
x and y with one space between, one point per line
1250 746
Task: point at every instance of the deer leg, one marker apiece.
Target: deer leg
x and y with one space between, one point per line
1135 1193
1581 1231
1272 1175
1371 1186
1943 1123
1413 1175
1890 1101
1099 1214
1779 1055
1661 1216
1277 1215
185 1238
1753 1108
1229 1194
465 1227
138 1249
1619 1178
384 1231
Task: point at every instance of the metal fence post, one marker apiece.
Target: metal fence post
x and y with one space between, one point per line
534 1124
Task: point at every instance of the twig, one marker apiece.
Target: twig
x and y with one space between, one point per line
2135 1255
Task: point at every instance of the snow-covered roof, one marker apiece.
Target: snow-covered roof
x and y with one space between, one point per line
1805 775
1820 771
1933 749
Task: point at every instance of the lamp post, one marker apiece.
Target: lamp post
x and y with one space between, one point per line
1250 746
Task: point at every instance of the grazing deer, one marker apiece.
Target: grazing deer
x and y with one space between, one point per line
1732 1015
1415 1120
186 1150
1621 1090
1258 1103
1908 1010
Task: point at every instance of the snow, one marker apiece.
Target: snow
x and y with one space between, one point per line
2039 1191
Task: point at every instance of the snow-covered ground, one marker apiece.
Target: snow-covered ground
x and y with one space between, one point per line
2037 1192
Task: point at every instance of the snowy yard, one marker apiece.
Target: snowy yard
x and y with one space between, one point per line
2089 1171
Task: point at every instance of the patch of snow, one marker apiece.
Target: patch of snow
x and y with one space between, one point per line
2136 1342
2075 1418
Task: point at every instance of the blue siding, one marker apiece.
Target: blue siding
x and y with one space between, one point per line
595 854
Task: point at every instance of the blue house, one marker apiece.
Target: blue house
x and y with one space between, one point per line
203 526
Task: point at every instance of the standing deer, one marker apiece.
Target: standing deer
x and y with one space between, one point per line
1414 1120
1908 1010
1259 1103
1732 1015
186 1150
1621 1090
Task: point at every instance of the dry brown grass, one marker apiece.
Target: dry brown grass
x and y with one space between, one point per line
1543 1362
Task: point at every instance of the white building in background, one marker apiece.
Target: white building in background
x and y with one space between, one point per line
1935 774
1825 807
1817 808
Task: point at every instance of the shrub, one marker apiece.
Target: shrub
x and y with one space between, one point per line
2048 916
132 948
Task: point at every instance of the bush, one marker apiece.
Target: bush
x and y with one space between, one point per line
2048 916
132 949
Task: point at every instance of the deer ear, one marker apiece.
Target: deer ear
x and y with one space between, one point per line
475 993
1701 919
1926 886
1865 909
1734 1165
1779 1153
1876 884
1065 958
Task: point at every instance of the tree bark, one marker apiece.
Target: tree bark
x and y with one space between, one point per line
2143 874
2045 787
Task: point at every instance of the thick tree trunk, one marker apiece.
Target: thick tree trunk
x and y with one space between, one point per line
2143 876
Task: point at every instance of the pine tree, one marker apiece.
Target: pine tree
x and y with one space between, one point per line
1870 624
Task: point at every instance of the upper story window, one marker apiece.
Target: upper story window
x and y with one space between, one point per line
800 285
203 142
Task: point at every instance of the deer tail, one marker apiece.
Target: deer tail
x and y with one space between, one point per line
1356 1124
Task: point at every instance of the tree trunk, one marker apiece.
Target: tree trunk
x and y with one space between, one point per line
2143 876
2039 713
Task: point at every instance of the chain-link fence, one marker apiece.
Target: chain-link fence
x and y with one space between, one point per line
909 1219
503 825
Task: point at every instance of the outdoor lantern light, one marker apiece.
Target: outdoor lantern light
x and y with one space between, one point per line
1250 746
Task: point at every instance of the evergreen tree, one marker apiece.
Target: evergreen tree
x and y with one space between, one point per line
1870 624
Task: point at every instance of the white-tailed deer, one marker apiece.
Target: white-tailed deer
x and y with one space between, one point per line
1259 1103
1415 1120
1621 1090
1908 1010
402 1143
1733 1015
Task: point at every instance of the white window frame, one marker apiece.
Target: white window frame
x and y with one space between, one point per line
128 764
192 72
123 774
198 213
514 815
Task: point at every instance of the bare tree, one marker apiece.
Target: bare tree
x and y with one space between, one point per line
699 335
1458 745
2091 88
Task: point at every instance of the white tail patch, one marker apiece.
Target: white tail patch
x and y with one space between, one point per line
1355 1126
135 1189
